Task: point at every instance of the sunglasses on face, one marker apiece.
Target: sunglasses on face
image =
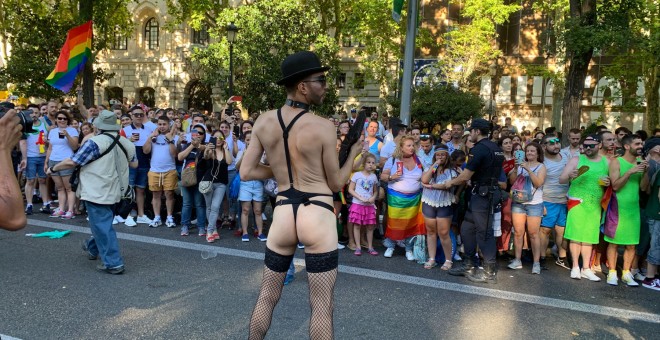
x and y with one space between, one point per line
138 114
62 118
322 80
424 137
589 146
553 141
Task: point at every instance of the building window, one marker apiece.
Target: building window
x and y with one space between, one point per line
346 41
147 96
151 34
200 37
120 42
341 81
358 81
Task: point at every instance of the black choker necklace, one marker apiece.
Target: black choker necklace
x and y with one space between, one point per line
296 104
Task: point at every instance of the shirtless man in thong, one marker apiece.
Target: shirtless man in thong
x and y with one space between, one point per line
301 148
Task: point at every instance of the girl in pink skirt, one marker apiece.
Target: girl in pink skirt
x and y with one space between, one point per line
362 213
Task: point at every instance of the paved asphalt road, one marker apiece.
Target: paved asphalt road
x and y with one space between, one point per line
50 290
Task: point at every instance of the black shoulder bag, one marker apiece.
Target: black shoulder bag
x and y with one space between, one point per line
74 180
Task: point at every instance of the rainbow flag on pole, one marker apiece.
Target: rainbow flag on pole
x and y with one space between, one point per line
75 52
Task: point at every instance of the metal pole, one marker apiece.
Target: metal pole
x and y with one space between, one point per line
543 102
408 60
231 70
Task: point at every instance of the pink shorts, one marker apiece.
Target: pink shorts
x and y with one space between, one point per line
362 214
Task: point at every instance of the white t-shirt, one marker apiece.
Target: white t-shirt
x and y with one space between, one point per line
161 159
387 150
410 182
364 186
60 146
241 148
33 138
144 131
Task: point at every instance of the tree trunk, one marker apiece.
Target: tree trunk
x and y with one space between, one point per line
86 8
580 56
652 85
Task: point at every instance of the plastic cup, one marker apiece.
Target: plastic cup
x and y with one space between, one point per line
208 254
601 180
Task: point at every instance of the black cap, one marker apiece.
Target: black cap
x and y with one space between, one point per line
480 124
397 122
594 137
651 143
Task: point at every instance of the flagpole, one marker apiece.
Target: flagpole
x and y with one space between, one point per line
408 60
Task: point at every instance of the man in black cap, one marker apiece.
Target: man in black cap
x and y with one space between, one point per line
303 160
484 169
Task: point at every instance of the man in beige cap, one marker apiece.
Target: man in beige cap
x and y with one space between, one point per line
104 160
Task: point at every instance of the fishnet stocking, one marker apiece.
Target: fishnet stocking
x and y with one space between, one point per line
271 290
321 296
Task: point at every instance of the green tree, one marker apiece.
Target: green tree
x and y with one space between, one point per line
470 44
36 31
269 31
437 103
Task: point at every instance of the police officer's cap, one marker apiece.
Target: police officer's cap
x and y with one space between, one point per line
480 124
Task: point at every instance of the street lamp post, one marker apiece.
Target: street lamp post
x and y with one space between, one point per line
492 72
232 30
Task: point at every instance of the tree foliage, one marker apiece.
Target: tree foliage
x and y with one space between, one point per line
36 31
444 104
269 31
470 47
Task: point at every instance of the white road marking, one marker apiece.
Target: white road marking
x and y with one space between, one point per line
7 337
376 274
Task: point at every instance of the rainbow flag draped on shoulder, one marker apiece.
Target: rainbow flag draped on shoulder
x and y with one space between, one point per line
75 52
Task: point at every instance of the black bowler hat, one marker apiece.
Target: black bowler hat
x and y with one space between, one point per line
298 65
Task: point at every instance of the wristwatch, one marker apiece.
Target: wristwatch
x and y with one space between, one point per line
389 178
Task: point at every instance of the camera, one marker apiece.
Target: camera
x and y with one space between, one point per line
23 116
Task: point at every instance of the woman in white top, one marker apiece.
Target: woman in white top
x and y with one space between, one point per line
437 206
529 213
62 141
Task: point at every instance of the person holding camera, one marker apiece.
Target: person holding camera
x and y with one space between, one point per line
190 152
103 181
11 213
62 142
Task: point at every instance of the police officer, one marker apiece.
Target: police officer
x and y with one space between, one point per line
484 168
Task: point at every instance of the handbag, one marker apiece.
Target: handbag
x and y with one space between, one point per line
522 190
206 184
235 186
189 174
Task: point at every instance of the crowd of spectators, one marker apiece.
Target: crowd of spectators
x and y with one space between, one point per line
191 161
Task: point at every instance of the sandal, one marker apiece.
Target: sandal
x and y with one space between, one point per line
430 264
447 265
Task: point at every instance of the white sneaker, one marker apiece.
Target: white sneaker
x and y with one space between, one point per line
119 219
340 246
143 219
629 280
114 221
130 222
575 273
156 222
588 274
410 256
639 276
389 252
170 223
612 279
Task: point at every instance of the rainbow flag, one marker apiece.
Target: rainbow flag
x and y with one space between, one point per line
75 52
404 215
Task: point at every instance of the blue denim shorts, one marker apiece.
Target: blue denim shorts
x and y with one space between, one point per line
251 191
527 209
555 215
654 250
138 177
35 167
61 173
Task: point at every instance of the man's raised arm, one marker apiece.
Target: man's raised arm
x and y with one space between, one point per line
251 167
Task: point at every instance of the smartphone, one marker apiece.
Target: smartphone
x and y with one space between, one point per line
228 112
213 140
236 98
520 156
